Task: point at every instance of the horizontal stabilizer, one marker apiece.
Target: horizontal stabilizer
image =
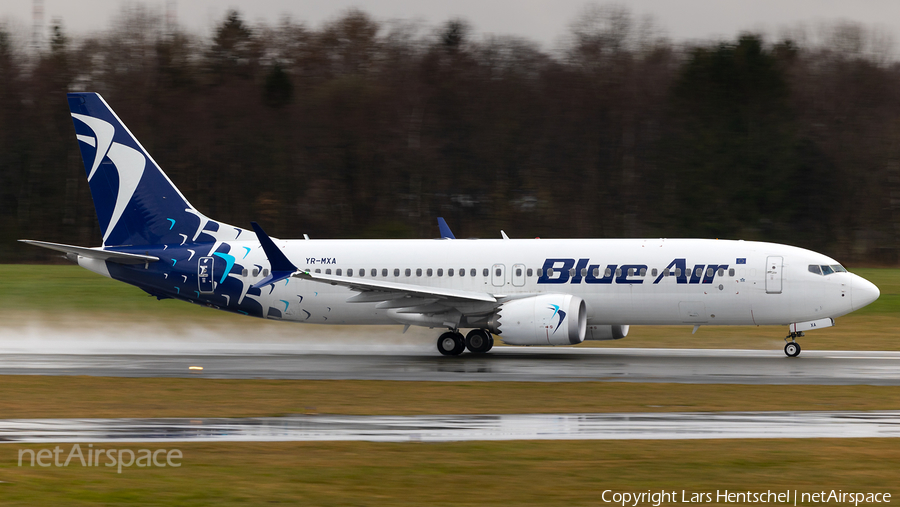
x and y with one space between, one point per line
281 267
95 253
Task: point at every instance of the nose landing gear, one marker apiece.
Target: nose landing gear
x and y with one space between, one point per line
792 348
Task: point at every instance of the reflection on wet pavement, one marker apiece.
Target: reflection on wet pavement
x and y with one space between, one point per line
449 428
543 364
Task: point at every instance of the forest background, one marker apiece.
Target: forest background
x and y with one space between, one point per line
362 128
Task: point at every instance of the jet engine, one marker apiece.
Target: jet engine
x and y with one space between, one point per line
550 319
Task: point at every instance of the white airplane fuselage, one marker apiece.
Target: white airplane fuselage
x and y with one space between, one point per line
745 287
794 293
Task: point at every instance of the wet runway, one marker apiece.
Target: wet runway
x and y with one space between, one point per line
453 428
543 364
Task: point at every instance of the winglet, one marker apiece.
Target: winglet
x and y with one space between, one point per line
445 229
281 267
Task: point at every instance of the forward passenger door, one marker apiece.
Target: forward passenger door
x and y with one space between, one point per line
773 274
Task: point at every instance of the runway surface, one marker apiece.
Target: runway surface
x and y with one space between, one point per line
544 364
452 428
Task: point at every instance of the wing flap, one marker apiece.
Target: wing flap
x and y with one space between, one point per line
406 302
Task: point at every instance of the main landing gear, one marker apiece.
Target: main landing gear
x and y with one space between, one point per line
792 348
452 343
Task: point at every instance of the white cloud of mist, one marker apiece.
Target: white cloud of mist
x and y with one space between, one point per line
84 336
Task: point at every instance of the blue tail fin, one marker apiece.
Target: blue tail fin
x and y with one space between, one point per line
136 203
446 233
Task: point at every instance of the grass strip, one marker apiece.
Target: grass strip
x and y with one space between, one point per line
77 397
465 473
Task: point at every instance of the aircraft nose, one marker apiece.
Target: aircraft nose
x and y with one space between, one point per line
862 292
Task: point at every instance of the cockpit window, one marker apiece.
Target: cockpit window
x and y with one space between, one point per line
827 270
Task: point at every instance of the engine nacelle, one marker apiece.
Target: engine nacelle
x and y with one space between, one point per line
550 319
606 332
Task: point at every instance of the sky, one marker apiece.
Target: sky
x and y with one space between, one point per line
543 21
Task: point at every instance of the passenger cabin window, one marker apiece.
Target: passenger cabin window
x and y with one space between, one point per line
731 272
518 271
583 272
338 272
244 273
362 272
408 272
698 271
643 271
349 271
266 272
618 272
528 272
327 271
440 272
630 271
608 273
450 272
256 272
596 272
419 272
462 271
571 272
549 272
709 272
428 272
486 272
721 272
472 272
318 270
654 272
540 272
374 272
396 271
677 271
384 272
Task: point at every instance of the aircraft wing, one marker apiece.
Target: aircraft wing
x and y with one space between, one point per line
401 298
94 253
388 291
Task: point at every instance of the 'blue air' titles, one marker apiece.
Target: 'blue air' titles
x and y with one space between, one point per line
561 270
